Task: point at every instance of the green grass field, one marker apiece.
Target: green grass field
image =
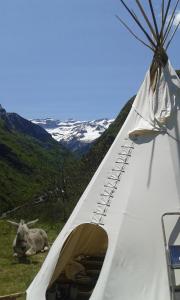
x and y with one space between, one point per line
14 276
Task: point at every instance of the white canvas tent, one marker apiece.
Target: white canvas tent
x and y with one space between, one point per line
120 212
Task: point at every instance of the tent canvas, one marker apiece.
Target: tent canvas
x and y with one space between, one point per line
120 212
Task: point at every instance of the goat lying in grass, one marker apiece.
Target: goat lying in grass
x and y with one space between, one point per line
27 241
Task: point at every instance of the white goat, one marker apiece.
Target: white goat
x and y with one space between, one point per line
29 241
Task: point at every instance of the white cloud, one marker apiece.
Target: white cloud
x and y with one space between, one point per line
177 19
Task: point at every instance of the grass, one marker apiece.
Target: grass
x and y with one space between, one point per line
14 276
28 168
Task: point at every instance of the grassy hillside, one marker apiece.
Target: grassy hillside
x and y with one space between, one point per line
32 170
28 168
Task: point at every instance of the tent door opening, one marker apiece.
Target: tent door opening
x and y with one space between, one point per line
172 250
79 264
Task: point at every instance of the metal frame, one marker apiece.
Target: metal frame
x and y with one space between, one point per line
168 260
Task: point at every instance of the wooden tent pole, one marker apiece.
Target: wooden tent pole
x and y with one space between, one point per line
164 20
154 19
129 29
139 24
147 20
167 32
170 23
172 35
162 12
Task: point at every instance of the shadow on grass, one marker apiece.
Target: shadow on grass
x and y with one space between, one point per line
25 261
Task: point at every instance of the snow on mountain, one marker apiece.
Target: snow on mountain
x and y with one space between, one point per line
75 135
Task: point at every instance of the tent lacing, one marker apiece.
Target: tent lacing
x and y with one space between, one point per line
105 200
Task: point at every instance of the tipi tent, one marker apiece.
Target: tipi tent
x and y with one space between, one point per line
129 213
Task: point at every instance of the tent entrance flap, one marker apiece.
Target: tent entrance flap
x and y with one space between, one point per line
79 264
171 237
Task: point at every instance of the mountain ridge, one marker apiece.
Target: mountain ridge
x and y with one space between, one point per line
77 136
13 121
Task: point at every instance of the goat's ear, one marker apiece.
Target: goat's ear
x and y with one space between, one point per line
32 222
13 223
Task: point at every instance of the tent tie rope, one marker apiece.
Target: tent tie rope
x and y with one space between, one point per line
111 185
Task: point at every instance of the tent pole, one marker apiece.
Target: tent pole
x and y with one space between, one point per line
172 36
166 35
129 29
162 11
147 20
169 26
154 19
138 23
164 20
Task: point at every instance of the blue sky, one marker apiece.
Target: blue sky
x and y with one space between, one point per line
69 58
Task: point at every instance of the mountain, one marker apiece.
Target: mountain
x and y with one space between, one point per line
13 121
31 162
77 136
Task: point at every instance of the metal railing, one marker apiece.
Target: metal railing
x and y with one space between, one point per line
170 269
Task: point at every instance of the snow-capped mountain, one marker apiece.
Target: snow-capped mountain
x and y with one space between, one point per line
75 135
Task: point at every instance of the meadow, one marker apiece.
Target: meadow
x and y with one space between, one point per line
15 277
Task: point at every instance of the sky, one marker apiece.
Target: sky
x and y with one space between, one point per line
70 58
